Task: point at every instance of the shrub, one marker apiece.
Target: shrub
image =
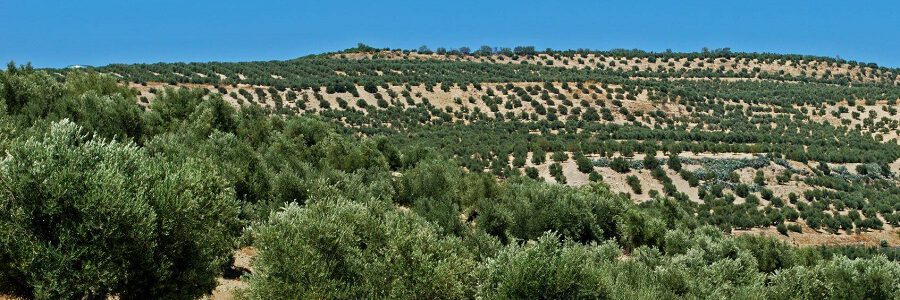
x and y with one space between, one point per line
84 218
734 177
519 160
557 173
650 161
674 162
547 269
531 172
335 248
741 190
595 177
840 277
634 183
862 170
538 156
782 229
582 214
584 164
371 88
560 156
759 178
620 165
823 167
637 228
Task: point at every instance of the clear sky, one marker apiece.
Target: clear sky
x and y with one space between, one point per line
61 33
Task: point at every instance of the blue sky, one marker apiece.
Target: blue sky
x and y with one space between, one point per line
60 33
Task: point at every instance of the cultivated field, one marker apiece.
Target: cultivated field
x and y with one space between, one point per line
496 173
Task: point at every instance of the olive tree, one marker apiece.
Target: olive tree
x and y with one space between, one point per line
525 209
88 218
548 269
336 248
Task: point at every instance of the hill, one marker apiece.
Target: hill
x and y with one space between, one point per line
727 116
495 173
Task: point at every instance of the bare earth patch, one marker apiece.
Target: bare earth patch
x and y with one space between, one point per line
810 237
228 286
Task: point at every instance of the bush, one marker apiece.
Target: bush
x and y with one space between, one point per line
674 162
560 156
371 88
741 190
519 161
861 169
634 183
636 228
782 229
759 178
531 172
824 168
538 157
85 218
583 214
650 161
840 277
620 165
547 269
335 248
437 189
584 164
595 177
557 172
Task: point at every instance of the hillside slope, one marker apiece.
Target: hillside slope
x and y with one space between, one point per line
786 118
375 173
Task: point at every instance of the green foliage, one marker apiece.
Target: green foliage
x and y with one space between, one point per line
438 190
531 172
650 161
782 229
335 248
89 218
674 162
634 183
741 190
824 168
171 106
96 102
546 269
584 164
760 178
620 165
392 201
638 228
560 156
31 95
348 155
838 278
557 172
526 209
595 177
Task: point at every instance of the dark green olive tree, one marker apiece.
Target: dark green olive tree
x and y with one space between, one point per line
334 248
87 218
